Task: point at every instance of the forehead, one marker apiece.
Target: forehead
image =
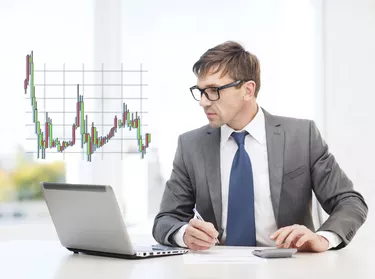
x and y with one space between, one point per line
213 79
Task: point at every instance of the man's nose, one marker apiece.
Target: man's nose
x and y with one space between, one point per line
204 102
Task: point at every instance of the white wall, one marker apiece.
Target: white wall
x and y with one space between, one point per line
350 92
40 26
169 37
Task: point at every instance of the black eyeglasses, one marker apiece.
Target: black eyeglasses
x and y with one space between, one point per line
211 93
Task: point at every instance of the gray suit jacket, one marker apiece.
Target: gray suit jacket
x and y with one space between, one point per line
299 163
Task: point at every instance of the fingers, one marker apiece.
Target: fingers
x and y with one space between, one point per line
196 247
276 233
195 243
303 240
283 234
293 237
286 236
206 227
199 242
200 235
202 230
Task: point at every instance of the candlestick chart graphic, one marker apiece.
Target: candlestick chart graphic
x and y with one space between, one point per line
80 132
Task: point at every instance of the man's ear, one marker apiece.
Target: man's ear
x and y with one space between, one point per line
249 89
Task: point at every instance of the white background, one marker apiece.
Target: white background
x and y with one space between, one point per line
317 62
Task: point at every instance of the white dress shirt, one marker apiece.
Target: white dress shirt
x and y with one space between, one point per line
256 147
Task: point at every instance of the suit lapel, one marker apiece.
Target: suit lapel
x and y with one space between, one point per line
275 150
211 153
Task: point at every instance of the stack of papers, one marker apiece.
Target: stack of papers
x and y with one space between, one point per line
225 255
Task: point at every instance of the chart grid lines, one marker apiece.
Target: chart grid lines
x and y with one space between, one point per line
92 71
44 89
122 96
63 104
91 84
83 94
90 111
102 149
95 98
62 125
89 138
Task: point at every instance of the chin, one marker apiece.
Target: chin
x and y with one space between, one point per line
215 124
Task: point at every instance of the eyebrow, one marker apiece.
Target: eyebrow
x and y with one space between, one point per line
211 85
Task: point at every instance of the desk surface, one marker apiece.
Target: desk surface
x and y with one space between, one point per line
47 259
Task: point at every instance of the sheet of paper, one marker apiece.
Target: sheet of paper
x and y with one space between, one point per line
224 255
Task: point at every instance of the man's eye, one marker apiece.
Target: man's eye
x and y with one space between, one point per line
211 90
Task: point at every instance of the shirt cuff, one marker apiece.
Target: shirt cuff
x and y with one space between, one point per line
179 236
333 239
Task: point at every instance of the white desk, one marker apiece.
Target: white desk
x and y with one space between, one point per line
47 259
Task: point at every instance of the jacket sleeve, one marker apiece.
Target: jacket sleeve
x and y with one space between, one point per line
176 208
346 207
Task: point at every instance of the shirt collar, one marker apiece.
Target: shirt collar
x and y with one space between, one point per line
256 128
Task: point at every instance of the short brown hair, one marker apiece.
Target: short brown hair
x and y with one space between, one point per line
233 59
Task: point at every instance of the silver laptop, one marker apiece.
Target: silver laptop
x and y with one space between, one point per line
88 220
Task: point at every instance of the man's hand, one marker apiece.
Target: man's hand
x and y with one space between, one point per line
300 237
200 235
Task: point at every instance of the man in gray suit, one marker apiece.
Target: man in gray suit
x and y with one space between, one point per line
251 174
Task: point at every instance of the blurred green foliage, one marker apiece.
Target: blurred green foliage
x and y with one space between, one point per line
23 181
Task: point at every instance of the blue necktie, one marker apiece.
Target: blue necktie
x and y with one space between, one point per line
241 217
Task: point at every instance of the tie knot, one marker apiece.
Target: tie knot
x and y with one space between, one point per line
239 137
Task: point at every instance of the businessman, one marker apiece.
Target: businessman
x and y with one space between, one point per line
251 174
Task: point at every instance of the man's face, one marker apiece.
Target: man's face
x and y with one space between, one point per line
231 102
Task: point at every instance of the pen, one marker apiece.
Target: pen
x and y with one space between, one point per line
200 218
